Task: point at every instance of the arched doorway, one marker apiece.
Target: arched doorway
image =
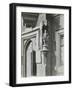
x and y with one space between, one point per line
30 59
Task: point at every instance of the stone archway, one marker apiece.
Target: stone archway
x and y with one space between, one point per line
30 59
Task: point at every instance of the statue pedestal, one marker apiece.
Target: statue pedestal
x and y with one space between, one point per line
44 52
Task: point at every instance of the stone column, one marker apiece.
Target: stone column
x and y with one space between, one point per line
41 66
51 59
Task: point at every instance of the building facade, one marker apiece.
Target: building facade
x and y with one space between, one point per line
42 44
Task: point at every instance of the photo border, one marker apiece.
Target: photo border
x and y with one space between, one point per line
12 41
